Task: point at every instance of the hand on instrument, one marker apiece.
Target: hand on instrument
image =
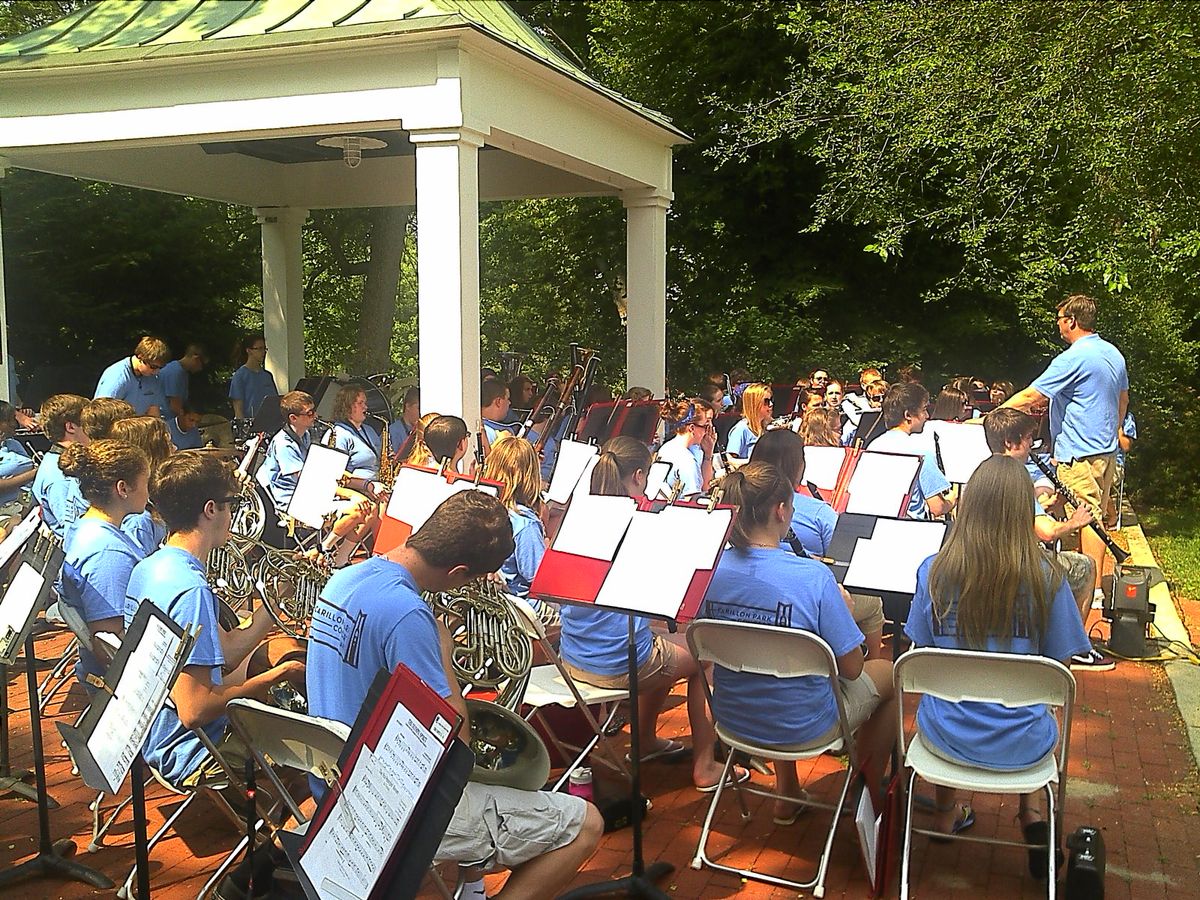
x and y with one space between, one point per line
291 670
26 418
1081 518
244 480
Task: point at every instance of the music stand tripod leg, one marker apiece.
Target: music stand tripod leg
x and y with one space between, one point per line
52 856
640 883
12 781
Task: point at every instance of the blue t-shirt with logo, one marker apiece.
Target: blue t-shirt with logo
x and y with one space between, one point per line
1084 384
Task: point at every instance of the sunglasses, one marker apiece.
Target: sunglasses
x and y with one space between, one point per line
234 502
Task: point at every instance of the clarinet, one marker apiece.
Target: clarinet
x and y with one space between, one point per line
1067 494
937 452
794 543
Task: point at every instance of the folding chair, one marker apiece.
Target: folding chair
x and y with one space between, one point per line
552 685
781 653
1011 680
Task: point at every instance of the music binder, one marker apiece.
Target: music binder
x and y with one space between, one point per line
633 418
26 596
881 554
416 493
962 447
573 461
21 533
400 777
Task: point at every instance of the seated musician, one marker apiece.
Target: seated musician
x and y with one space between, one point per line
99 416
134 379
873 395
950 405
689 422
196 494
56 493
280 470
719 380
151 436
447 440
415 452
905 412
991 588
520 396
514 463
855 404
639 394
813 523
1009 432
252 383
817 429
352 435
493 408
1000 391
757 413
184 428
595 642
175 378
756 581
402 427
818 380
714 396
100 556
17 470
543 837
833 396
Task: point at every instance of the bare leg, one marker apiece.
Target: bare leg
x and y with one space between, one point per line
1093 547
548 873
787 784
947 809
877 735
875 645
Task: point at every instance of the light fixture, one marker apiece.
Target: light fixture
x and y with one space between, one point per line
352 146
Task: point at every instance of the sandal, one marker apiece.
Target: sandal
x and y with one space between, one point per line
671 751
964 820
797 811
737 776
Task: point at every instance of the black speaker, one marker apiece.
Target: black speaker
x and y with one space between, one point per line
1085 865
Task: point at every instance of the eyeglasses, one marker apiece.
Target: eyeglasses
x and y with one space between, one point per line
1060 318
263 347
233 502
768 399
306 414
153 367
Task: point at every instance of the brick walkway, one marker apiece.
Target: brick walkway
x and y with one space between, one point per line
1131 774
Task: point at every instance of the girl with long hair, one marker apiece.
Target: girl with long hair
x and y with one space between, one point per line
992 588
690 424
950 405
150 435
757 581
418 453
594 642
515 464
816 430
757 413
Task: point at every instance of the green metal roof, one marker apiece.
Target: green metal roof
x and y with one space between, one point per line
115 30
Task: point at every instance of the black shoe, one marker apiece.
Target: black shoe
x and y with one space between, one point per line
236 885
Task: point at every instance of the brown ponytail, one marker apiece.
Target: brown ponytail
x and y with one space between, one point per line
755 489
98 466
620 457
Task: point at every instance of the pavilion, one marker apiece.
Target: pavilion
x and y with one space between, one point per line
286 106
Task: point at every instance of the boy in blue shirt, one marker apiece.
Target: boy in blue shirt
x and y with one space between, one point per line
57 494
184 433
134 379
280 470
905 412
176 375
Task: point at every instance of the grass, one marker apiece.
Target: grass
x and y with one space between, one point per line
1174 534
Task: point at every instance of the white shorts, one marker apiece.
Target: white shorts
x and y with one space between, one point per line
505 827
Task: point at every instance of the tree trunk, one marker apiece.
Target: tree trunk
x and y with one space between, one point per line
373 349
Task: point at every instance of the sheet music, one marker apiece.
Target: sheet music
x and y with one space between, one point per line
594 525
889 560
348 854
658 480
316 490
880 483
572 460
142 690
822 466
18 536
17 605
416 494
963 446
659 557
868 833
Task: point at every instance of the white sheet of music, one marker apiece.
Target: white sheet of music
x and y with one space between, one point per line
18 536
347 856
416 494
963 447
139 695
594 525
880 483
574 458
16 607
659 483
659 557
822 465
316 490
889 560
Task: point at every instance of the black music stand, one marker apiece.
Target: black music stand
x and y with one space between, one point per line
40 562
13 781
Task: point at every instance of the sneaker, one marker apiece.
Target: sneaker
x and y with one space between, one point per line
1093 661
1098 599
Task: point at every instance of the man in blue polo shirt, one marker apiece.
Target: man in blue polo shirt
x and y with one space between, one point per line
55 492
134 379
196 493
371 617
905 412
280 470
176 375
1087 389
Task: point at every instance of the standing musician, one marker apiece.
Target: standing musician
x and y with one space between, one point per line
135 378
690 424
17 470
543 837
905 412
352 435
757 413
1087 389
149 435
55 492
175 377
196 494
252 383
756 581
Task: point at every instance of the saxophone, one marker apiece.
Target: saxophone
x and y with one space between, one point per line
387 469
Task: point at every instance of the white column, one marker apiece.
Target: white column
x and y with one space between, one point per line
283 291
5 387
646 287
448 271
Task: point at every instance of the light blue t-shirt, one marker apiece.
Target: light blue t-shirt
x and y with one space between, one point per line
986 734
173 580
1084 384
930 480
1129 429
494 429
174 380
398 433
251 387
596 640
120 382
13 461
813 522
95 574
529 538
145 531
57 494
684 465
741 440
183 440
766 586
362 443
280 470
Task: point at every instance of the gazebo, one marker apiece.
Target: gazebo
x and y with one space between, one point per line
286 106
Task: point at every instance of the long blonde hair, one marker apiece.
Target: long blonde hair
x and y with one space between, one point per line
752 403
514 463
419 453
990 579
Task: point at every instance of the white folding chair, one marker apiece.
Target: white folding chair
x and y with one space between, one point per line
552 685
782 653
1011 680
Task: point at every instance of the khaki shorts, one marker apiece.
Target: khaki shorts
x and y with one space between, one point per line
868 612
504 827
860 699
665 663
1090 479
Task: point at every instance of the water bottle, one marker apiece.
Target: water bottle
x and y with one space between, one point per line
580 784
